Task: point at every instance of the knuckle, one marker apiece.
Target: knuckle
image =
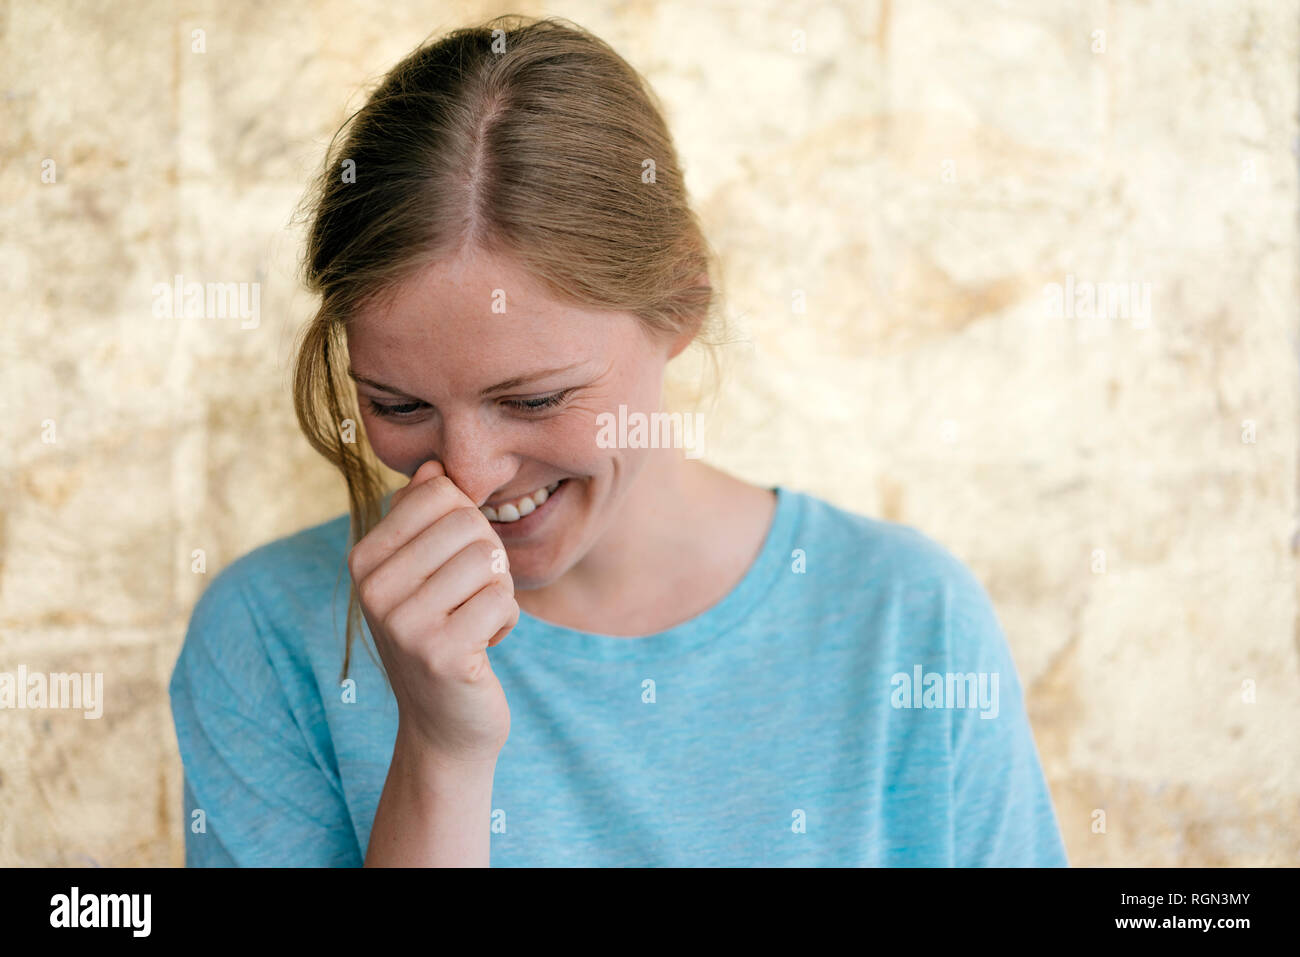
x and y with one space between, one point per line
398 624
439 495
356 561
463 521
483 551
368 591
388 623
471 516
442 487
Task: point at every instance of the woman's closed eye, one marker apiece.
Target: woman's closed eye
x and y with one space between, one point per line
540 402
393 411
406 409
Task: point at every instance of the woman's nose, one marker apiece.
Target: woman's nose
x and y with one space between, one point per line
472 460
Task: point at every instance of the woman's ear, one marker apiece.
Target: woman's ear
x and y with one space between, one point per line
681 341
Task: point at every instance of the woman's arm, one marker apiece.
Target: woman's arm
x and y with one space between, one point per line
261 784
431 813
1003 814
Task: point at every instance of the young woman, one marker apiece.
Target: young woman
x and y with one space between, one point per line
590 652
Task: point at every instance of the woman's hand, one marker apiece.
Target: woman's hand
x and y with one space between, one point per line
435 588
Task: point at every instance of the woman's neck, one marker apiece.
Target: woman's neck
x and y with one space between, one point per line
683 536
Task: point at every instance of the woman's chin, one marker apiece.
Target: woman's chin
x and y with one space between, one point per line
525 581
530 572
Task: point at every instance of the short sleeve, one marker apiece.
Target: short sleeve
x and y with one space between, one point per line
1002 809
259 780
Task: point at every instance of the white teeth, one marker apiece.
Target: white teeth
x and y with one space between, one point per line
514 511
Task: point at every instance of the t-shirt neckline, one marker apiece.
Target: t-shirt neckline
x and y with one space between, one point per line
712 624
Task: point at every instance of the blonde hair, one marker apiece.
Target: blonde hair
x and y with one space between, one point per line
526 137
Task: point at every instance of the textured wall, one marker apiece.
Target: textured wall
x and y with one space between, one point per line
893 204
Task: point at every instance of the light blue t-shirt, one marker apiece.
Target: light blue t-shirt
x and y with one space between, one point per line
851 702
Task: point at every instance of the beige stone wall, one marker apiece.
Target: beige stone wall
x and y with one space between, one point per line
892 204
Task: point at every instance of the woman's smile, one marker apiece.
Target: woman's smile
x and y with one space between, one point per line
520 517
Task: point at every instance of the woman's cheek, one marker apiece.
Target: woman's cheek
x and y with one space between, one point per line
400 449
570 440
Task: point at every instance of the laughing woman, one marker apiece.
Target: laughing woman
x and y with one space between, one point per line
586 655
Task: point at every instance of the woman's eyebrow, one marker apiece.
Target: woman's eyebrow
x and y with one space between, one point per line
530 377
375 385
511 383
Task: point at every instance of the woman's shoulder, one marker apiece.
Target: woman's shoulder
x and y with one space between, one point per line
296 564
894 580
873 550
270 601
